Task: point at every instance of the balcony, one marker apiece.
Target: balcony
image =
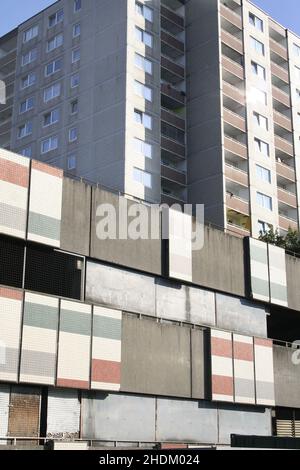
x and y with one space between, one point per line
285 171
172 98
234 119
238 224
235 174
171 46
281 96
282 121
171 199
287 198
285 223
232 67
280 72
232 42
284 146
234 93
231 16
171 72
172 174
237 230
235 147
173 119
237 204
171 148
278 49
171 21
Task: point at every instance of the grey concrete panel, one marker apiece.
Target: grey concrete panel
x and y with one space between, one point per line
240 315
156 358
144 255
118 417
186 421
293 275
287 377
76 211
243 420
180 302
119 288
220 264
198 359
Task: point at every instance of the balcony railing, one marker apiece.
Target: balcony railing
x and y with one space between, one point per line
232 67
234 119
173 42
284 146
172 67
281 96
286 171
280 72
173 119
172 16
236 175
232 41
278 49
231 16
173 175
281 120
173 147
285 223
236 203
237 229
171 199
234 93
235 147
287 198
170 92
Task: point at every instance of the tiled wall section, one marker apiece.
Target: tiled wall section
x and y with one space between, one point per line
44 224
39 339
278 279
180 246
106 351
74 345
242 369
14 180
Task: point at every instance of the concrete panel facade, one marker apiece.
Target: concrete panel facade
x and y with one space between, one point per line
240 315
76 211
156 358
287 377
293 275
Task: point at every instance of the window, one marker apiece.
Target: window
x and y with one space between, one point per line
52 92
26 152
257 46
55 42
256 22
144 37
51 118
260 120
298 94
74 107
262 147
145 11
29 57
263 227
143 90
296 50
75 55
53 67
75 80
25 130
258 70
258 96
73 135
264 201
71 162
143 118
77 5
297 70
30 33
143 147
28 81
143 63
49 144
263 174
56 18
142 177
27 105
76 30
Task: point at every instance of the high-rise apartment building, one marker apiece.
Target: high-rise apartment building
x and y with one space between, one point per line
163 100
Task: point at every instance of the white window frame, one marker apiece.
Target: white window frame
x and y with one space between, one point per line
257 46
141 176
54 117
73 77
72 103
73 139
57 41
29 57
27 78
258 70
29 104
58 17
144 64
144 11
69 159
260 96
260 144
143 91
262 199
30 33
260 120
256 22
144 119
53 144
74 53
77 6
143 36
53 64
52 89
76 34
296 49
27 127
142 147
264 174
27 152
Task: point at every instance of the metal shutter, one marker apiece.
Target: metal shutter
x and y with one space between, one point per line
4 410
63 418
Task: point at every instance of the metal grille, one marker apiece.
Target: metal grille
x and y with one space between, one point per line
11 262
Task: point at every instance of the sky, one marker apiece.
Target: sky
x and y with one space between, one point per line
14 12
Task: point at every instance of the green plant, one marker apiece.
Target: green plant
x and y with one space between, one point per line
290 242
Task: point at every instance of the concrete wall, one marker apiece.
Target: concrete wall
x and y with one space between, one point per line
287 378
144 255
293 276
161 359
76 212
140 418
220 264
